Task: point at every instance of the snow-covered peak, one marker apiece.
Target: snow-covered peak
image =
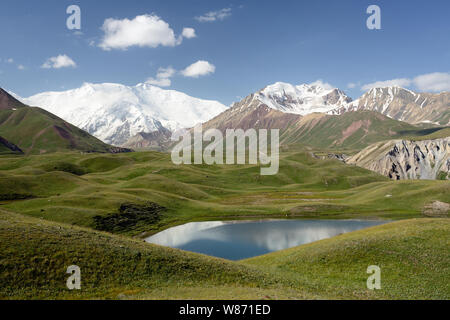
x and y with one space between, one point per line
282 88
114 112
302 99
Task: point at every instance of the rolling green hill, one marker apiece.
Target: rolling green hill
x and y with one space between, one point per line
351 130
427 134
34 255
75 188
413 256
37 131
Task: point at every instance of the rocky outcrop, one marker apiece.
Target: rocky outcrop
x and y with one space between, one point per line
156 141
10 147
403 159
436 209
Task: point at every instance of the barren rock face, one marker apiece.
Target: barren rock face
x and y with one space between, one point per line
402 159
436 209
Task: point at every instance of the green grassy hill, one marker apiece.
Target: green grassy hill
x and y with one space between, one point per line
37 131
34 255
413 256
74 188
427 134
351 130
7 147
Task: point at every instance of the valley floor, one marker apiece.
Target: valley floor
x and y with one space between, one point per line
412 254
92 210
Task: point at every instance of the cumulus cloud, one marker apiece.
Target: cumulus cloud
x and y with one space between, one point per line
142 31
163 82
432 82
188 33
322 84
162 77
437 81
214 15
60 61
199 68
402 82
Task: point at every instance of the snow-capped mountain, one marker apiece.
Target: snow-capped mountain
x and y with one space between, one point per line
114 113
302 99
404 105
404 159
143 116
395 102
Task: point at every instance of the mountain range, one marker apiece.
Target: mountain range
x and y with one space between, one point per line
404 105
312 115
144 116
115 113
32 130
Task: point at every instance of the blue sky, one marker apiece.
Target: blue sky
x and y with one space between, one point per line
257 43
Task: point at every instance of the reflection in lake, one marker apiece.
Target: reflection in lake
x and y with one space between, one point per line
237 240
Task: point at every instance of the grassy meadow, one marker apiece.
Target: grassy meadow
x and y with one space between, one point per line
51 206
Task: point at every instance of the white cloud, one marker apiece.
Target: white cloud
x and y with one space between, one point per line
403 82
351 85
166 72
142 31
60 61
164 82
10 60
437 82
188 33
431 82
214 15
199 68
21 67
162 77
322 84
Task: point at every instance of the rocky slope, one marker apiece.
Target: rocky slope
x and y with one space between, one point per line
249 113
404 159
404 105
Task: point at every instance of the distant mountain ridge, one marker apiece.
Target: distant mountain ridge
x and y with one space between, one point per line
144 116
352 130
115 113
404 105
395 102
405 159
302 99
32 130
